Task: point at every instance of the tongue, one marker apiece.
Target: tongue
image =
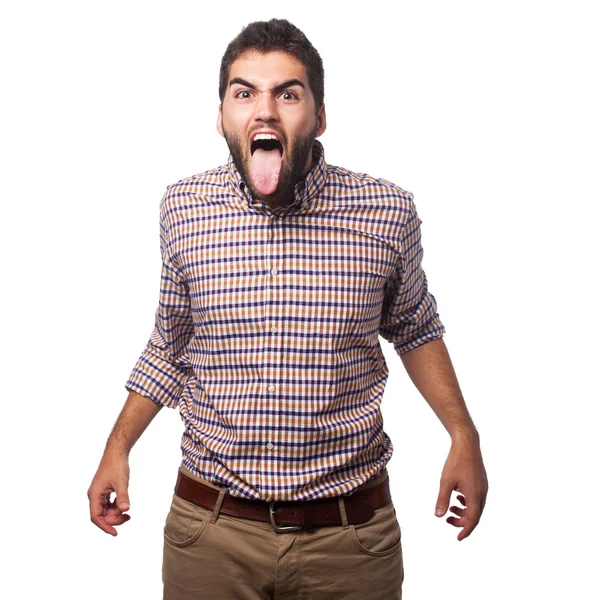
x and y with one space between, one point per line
265 170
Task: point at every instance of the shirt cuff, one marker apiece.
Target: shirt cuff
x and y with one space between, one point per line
434 330
157 379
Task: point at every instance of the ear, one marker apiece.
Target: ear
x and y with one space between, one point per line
219 121
321 122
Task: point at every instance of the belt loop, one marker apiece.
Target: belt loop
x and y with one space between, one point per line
218 506
343 512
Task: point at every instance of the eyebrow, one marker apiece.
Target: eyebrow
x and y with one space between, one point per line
276 89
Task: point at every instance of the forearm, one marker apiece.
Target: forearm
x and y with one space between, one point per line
430 368
136 415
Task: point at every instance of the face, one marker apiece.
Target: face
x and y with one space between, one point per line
270 93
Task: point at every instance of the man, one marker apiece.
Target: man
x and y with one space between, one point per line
279 272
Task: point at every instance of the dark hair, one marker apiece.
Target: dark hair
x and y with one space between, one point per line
272 36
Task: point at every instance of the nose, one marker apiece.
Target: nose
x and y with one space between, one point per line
265 109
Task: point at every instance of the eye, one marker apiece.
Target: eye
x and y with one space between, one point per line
292 96
240 94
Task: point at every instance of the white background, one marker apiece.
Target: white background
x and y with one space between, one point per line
482 110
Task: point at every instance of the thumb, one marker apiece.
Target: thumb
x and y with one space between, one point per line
443 498
122 499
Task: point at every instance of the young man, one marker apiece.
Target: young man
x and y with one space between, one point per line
279 272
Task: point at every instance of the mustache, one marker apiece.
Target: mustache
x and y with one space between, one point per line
278 131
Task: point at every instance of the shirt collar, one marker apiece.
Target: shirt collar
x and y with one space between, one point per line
305 192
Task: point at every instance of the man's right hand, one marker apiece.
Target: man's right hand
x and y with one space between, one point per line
112 476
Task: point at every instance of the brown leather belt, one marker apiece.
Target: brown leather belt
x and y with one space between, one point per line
288 514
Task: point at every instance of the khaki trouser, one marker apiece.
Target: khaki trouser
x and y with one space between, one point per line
214 556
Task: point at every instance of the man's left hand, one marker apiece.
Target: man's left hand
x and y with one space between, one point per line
463 472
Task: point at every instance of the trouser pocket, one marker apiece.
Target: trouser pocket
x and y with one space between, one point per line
380 535
185 522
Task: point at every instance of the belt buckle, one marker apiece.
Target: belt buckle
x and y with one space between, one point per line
280 527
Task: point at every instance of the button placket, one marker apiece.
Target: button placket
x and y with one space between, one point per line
271 362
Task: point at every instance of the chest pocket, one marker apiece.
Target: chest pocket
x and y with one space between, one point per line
345 303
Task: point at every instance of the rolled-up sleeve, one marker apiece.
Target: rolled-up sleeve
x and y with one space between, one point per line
163 368
409 311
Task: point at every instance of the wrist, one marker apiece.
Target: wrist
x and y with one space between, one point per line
465 435
113 452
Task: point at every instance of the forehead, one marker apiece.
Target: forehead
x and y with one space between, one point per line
267 69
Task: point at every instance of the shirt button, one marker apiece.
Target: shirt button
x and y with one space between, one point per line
270 446
274 271
274 330
271 388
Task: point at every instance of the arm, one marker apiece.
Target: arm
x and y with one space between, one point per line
113 472
430 368
164 367
137 413
157 380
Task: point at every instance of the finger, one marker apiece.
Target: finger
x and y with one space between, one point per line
112 508
120 503
101 522
104 513
465 521
107 522
468 517
467 527
472 515
466 532
454 521
443 501
98 510
122 499
97 505
115 517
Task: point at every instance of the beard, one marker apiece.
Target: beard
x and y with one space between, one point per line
294 160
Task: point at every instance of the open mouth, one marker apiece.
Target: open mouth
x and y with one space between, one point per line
266 162
267 144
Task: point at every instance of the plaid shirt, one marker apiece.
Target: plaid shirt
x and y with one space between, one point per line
266 332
